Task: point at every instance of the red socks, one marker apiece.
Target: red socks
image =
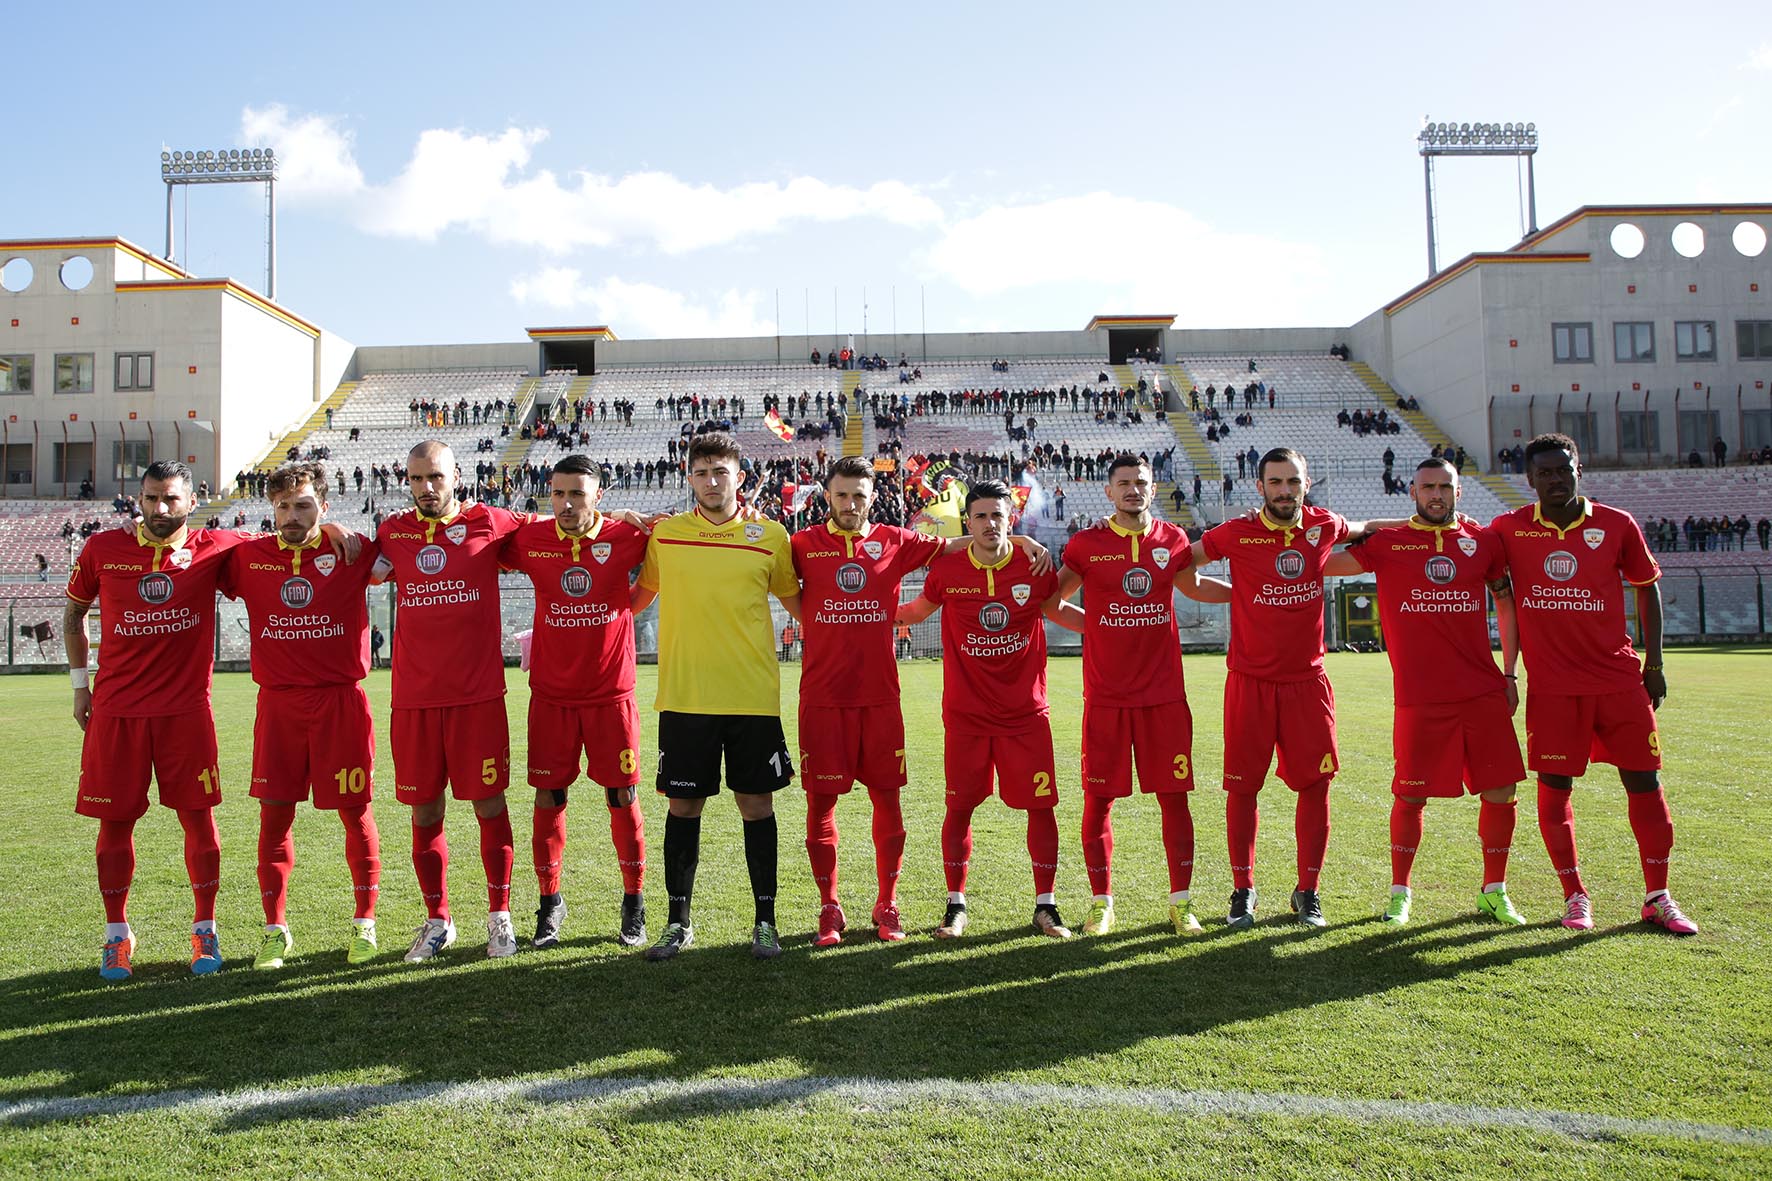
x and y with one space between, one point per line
888 840
1178 838
116 867
1556 822
1043 848
1405 838
1495 829
363 854
956 844
821 843
547 842
276 857
627 829
430 861
1240 824
1311 828
202 860
498 855
1649 819
1098 843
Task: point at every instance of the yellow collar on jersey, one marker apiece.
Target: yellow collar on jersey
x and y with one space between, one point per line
295 567
1439 531
578 539
1587 510
1134 534
849 538
1274 526
990 568
143 537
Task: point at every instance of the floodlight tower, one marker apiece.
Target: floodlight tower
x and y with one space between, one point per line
1481 139
221 167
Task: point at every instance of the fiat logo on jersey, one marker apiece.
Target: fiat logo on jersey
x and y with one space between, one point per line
154 588
1137 582
296 593
576 582
1560 566
851 577
1289 563
431 559
1441 569
993 617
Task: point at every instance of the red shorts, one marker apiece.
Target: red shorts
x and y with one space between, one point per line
119 754
1296 717
1448 748
841 745
1159 737
322 736
1023 764
608 736
1564 733
467 745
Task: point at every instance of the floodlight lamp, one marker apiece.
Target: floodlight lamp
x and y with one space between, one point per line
165 157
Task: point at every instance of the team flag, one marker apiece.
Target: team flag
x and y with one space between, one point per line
796 497
1030 498
942 516
781 430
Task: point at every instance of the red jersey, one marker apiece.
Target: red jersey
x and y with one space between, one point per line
156 611
1569 599
582 652
307 608
1432 582
1277 591
849 593
446 623
1131 646
993 641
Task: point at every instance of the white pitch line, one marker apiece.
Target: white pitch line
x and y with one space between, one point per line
715 1095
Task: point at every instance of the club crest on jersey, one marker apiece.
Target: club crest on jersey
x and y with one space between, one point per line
1136 582
1160 556
1021 592
180 558
431 559
1289 563
1468 546
576 582
600 550
851 577
456 533
1560 566
753 531
993 617
872 549
326 563
296 593
1441 569
154 588
1593 537
1313 533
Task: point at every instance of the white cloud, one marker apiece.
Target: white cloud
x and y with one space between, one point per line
314 157
644 309
479 183
1761 58
1157 257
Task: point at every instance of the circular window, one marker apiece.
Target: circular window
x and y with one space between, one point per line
1750 239
1688 239
77 273
1627 240
17 274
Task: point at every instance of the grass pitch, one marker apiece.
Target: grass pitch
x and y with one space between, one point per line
1275 1052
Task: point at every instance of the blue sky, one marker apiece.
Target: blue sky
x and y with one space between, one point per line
458 173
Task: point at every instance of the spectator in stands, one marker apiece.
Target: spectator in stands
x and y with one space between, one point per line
1196 489
1720 450
1741 532
1229 484
43 565
1504 461
1242 466
1764 528
376 640
1693 459
1519 458
329 418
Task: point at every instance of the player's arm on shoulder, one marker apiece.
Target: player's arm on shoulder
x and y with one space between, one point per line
916 610
1358 531
1342 564
345 543
74 641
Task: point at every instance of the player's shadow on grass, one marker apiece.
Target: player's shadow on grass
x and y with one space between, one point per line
999 1002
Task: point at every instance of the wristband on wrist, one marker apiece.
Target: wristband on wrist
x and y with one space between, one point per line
80 677
1651 668
1510 676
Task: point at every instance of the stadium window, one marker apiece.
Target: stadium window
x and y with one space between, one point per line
135 371
129 458
1580 425
1695 340
1753 340
1572 344
1640 430
73 373
18 374
1633 341
1756 429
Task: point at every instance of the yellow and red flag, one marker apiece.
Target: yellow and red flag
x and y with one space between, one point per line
780 429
